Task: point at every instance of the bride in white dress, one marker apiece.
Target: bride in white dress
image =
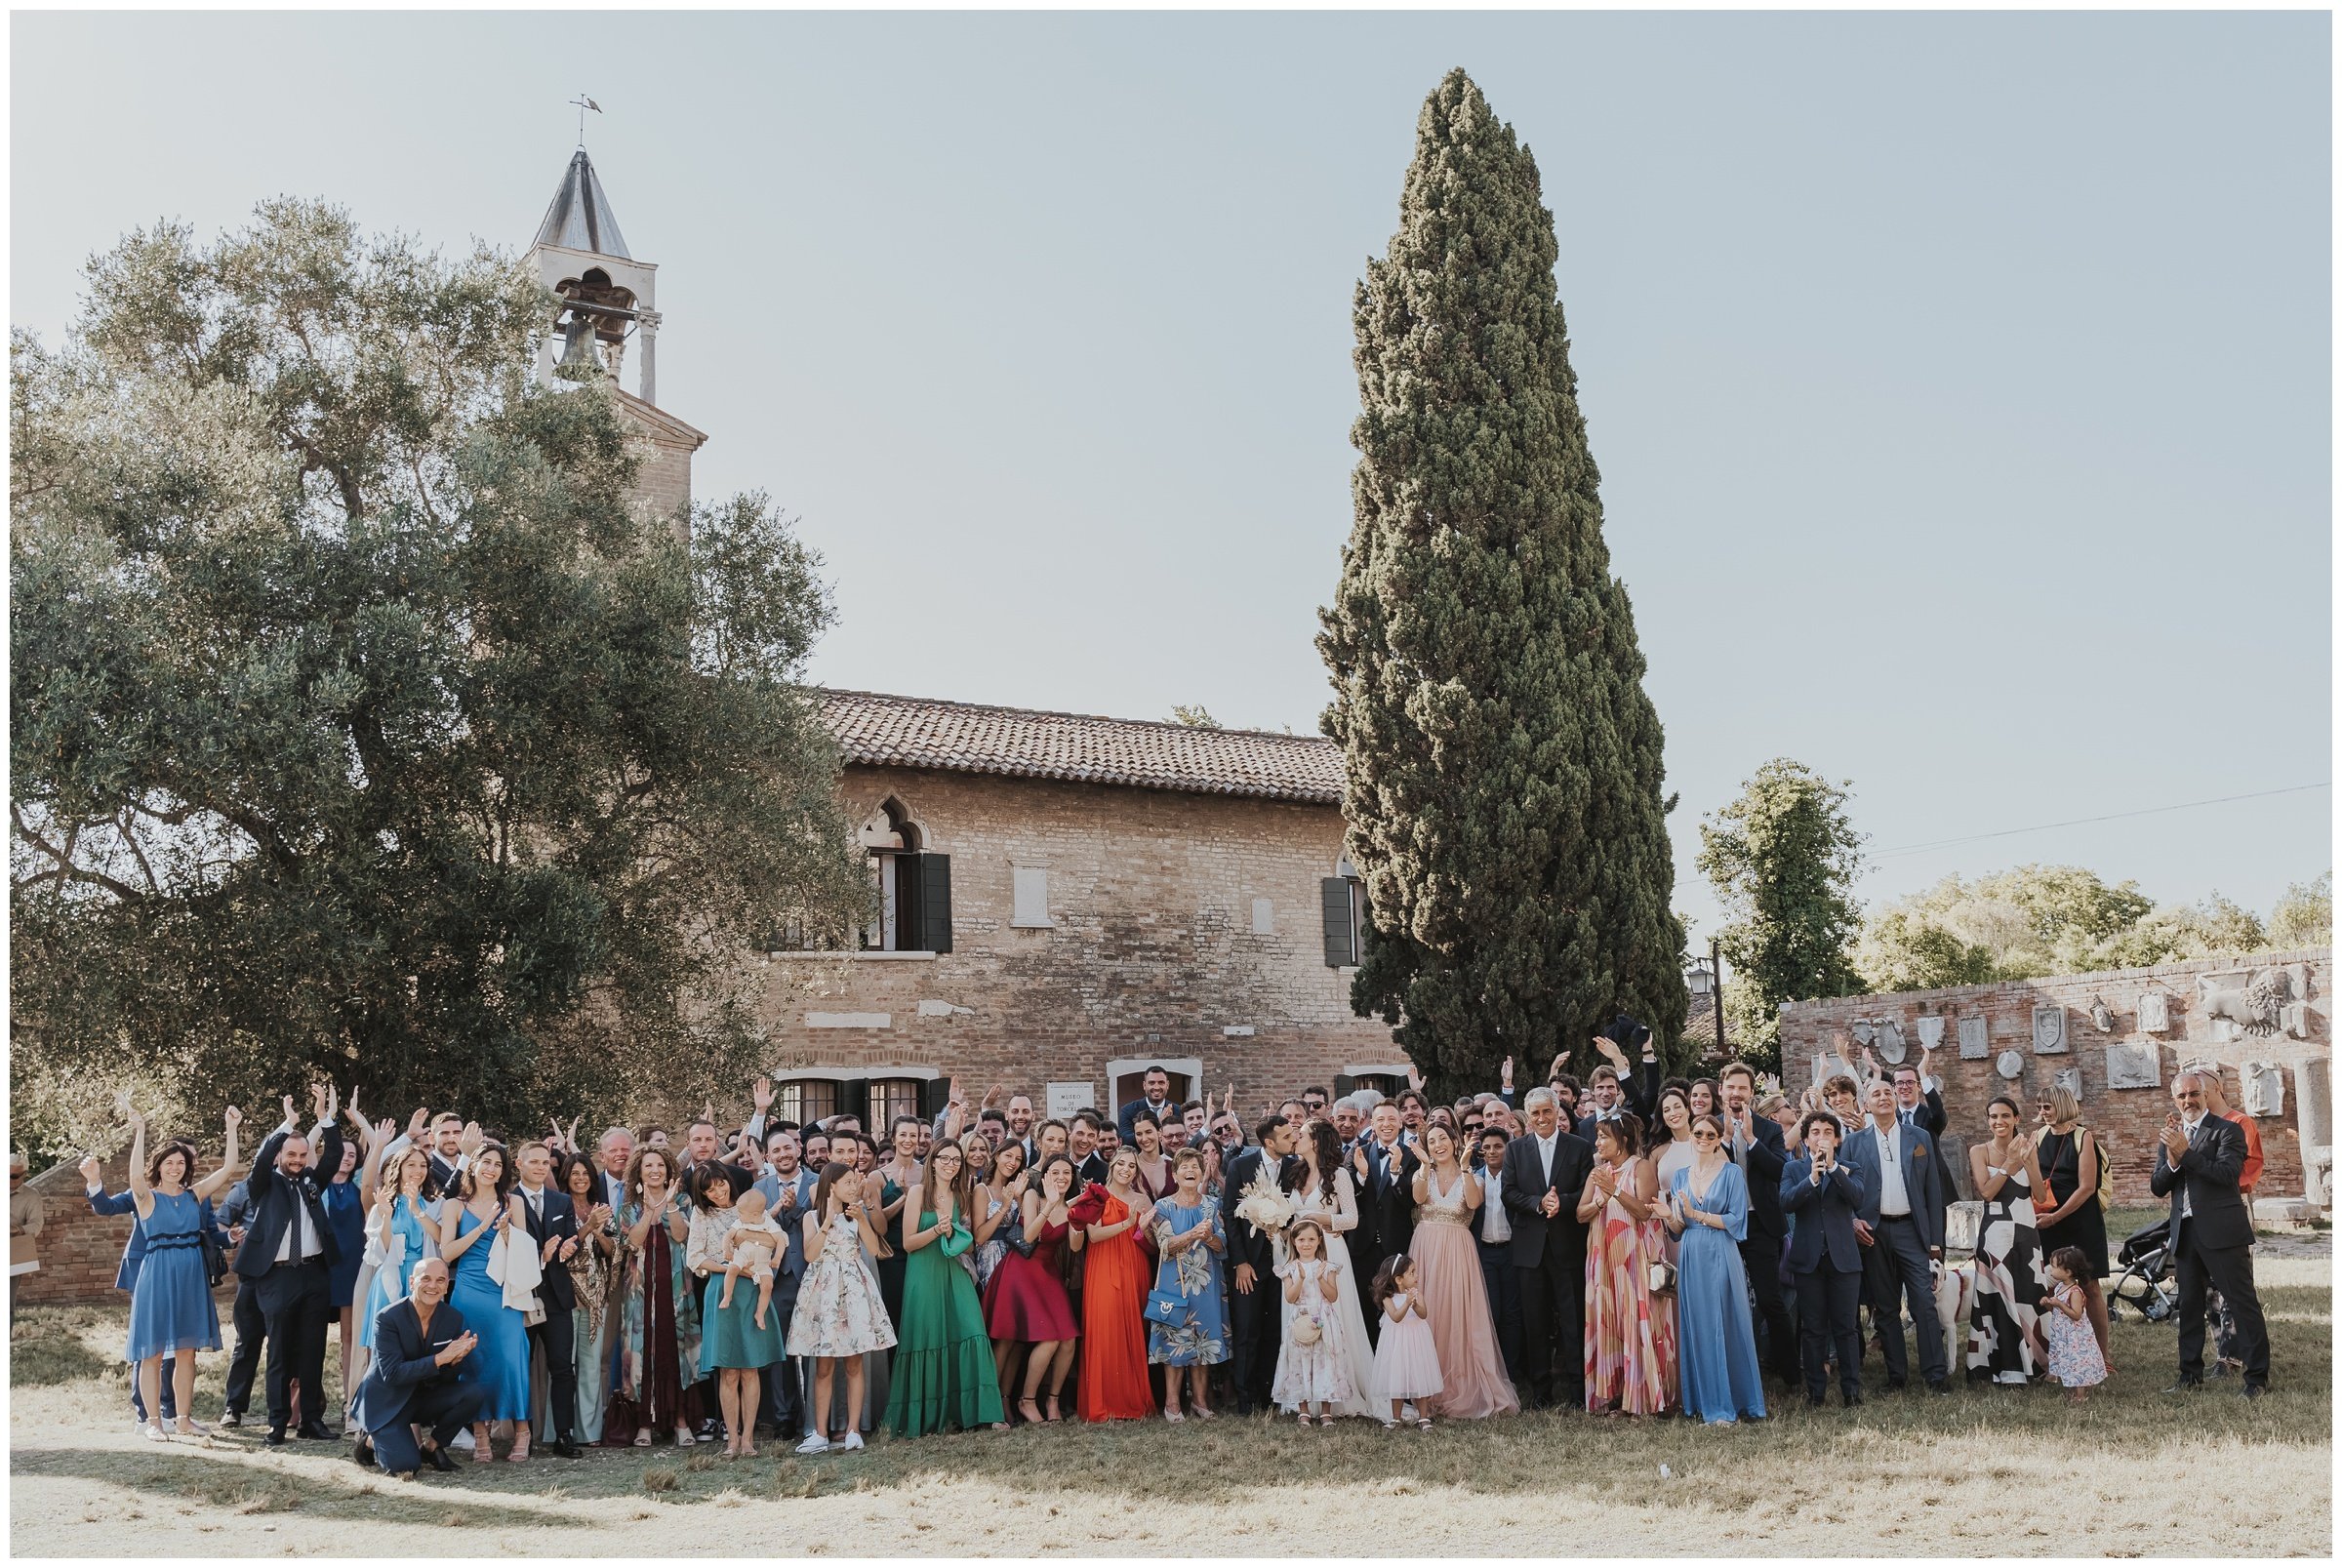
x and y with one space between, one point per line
1321 1150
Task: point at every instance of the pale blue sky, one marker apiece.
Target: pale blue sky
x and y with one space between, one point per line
1960 383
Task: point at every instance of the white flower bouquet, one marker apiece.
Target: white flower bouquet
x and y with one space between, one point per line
1264 1206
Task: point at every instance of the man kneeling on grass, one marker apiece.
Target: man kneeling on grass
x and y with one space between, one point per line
416 1381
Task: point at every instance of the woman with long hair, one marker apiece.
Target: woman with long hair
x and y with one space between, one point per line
841 1317
1630 1357
1451 1291
942 1376
592 1277
1154 1165
402 1228
1114 1384
347 1195
485 1210
1321 1188
658 1333
1708 1210
171 1316
998 1203
2068 1155
898 1184
2010 1280
1026 1302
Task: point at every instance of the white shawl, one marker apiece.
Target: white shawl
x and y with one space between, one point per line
513 1264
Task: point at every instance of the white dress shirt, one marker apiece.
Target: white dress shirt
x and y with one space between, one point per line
301 1230
1495 1224
1894 1201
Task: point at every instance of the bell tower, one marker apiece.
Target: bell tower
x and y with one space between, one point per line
602 298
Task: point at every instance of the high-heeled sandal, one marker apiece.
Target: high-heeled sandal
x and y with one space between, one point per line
642 1439
1033 1406
1055 1414
521 1449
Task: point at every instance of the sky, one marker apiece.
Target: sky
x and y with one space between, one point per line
1960 383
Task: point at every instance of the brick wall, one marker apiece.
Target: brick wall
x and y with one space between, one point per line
1152 953
2129 1119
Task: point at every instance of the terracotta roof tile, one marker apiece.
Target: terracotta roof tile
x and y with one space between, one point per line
915 731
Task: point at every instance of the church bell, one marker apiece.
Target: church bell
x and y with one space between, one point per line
579 362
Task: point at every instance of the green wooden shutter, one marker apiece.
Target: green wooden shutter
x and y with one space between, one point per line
1334 893
933 876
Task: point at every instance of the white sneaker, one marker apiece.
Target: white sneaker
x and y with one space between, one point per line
815 1443
853 1441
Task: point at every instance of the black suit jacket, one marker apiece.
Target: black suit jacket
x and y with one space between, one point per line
1386 1202
1767 1158
1526 1179
2207 1178
1246 1245
560 1219
1824 1214
403 1362
274 1196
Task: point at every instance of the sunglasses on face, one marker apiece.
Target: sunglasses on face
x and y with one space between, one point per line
1705 1137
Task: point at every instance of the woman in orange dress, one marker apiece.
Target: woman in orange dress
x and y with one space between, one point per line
1629 1348
1115 1279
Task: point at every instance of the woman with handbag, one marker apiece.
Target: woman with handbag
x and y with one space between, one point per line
2069 1212
1451 1290
1026 1302
1186 1319
1630 1350
942 1376
1115 1385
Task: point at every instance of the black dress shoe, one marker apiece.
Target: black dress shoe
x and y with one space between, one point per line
1815 1401
436 1458
564 1448
1938 1385
1897 1385
2253 1391
361 1452
2185 1386
1850 1399
275 1437
317 1431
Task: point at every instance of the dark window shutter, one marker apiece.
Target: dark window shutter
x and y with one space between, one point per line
933 875
933 1095
1341 950
854 1100
1344 1083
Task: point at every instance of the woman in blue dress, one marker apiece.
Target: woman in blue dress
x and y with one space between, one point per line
171 1310
404 1228
1715 1347
484 1205
1188 1234
345 1197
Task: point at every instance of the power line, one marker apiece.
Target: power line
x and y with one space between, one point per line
2114 816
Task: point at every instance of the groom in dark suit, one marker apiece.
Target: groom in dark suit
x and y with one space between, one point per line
1254 1298
1545 1169
416 1380
288 1252
1386 1168
2197 1165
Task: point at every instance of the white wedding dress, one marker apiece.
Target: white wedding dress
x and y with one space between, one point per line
1338 1221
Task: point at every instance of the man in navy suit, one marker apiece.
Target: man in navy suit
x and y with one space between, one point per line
1385 1168
2197 1165
288 1252
1255 1307
1756 1145
1825 1257
1900 1228
416 1378
134 1256
787 1187
1545 1170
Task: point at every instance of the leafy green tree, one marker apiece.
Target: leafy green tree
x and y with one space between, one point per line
361 725
1194 715
1503 758
2305 917
1783 858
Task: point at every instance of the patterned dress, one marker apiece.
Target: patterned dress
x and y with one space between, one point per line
839 1309
656 1335
1630 1351
2009 1287
2074 1356
1315 1374
1200 1338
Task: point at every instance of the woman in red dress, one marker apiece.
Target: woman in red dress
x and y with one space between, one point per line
1115 1279
1027 1302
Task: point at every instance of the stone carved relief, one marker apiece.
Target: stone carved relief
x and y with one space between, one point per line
1931 1031
1975 1038
2070 1080
2048 1030
2010 1064
1892 1048
2138 1064
2155 1012
2248 1002
2264 1088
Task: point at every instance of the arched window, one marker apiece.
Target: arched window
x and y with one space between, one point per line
913 885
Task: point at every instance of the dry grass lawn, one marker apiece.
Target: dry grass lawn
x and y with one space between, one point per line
1988 1473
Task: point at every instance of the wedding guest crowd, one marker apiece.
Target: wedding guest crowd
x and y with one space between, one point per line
1634 1246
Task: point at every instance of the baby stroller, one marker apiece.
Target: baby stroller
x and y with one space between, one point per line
2145 1285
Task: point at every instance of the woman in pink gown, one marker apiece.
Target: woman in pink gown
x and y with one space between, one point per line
1455 1295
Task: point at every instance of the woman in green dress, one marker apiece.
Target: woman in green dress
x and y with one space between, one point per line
942 1374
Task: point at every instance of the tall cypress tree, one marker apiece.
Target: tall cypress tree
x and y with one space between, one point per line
1504 762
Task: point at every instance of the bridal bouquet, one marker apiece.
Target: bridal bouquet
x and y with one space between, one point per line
1263 1205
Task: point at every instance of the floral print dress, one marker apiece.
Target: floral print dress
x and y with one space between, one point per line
1200 1338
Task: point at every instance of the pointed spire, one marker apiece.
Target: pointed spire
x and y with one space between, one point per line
579 217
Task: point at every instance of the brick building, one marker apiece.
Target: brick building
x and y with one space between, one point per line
1065 900
2116 1037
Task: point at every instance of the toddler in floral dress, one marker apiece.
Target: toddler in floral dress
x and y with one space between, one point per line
1312 1366
2074 1356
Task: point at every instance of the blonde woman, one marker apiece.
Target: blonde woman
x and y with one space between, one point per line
2067 1208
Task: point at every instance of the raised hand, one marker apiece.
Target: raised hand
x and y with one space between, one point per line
122 1103
317 1103
233 1117
91 1170
1506 1080
762 1096
707 1111
384 1129
1414 1077
991 1097
290 1112
419 1122
469 1141
1609 1049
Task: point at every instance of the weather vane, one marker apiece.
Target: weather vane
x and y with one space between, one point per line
581 102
